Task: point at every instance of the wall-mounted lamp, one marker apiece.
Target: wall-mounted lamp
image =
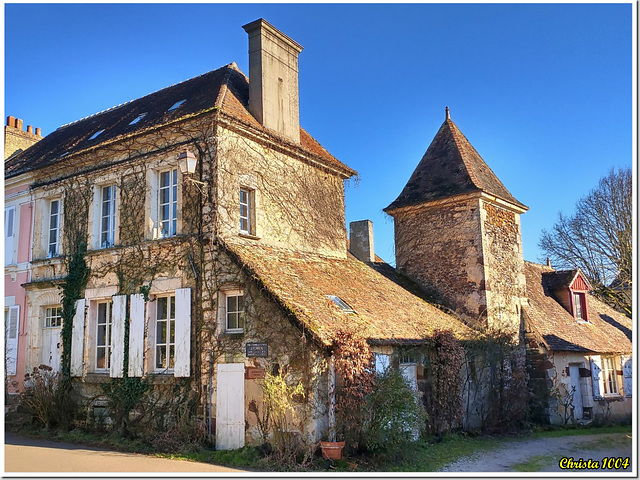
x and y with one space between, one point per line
187 164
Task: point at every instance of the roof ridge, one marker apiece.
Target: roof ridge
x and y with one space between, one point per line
229 65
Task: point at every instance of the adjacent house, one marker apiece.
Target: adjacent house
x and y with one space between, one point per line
579 349
18 217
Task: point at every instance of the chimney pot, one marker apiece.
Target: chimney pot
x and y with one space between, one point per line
11 121
38 131
361 240
29 129
548 262
19 123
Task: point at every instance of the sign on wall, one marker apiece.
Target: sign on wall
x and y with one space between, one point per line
257 350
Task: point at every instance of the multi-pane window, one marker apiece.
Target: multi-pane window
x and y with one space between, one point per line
53 317
245 211
103 336
168 203
165 332
609 376
235 312
54 228
108 216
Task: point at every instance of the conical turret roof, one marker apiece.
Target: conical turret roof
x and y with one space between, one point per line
451 166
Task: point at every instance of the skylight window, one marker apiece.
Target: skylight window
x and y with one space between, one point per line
176 105
137 119
341 303
95 135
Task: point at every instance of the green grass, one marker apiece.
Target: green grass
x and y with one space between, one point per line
534 464
552 431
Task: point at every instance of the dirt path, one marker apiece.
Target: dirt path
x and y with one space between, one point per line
29 455
544 454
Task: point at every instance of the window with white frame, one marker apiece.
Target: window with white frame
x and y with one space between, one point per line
53 317
247 200
167 203
165 332
609 376
231 318
107 216
9 235
103 335
53 230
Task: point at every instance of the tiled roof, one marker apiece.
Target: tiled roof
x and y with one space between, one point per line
606 332
559 279
225 89
451 166
385 311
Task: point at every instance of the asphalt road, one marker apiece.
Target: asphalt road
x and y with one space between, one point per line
27 455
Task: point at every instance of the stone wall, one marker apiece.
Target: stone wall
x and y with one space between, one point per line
504 267
440 247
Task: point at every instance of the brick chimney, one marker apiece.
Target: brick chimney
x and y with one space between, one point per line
361 240
17 140
273 79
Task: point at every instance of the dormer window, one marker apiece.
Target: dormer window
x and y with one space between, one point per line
580 306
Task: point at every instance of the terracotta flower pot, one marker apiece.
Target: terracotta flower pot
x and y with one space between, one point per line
332 450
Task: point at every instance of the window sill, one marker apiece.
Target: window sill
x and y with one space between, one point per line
231 334
248 235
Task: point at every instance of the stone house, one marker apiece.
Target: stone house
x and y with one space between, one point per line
201 279
579 349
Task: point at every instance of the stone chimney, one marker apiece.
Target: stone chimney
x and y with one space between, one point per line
361 240
273 79
16 139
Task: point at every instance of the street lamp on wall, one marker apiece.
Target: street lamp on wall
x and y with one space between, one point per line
187 164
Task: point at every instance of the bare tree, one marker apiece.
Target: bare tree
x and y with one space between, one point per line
597 238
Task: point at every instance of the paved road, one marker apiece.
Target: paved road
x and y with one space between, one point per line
34 455
544 454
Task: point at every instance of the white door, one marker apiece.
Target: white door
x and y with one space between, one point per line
230 406
574 375
52 347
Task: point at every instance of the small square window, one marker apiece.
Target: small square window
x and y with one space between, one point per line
53 317
235 312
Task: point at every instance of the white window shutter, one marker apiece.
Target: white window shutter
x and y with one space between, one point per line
118 313
627 372
136 335
596 377
13 327
9 234
77 340
183 333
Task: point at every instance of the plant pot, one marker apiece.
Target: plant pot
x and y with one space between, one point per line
332 450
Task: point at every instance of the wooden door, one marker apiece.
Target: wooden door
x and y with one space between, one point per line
230 406
574 375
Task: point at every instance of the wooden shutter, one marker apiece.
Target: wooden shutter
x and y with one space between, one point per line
627 372
136 335
183 333
596 377
229 406
77 340
9 234
118 313
13 327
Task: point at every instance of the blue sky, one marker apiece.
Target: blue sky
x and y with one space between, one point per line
543 92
